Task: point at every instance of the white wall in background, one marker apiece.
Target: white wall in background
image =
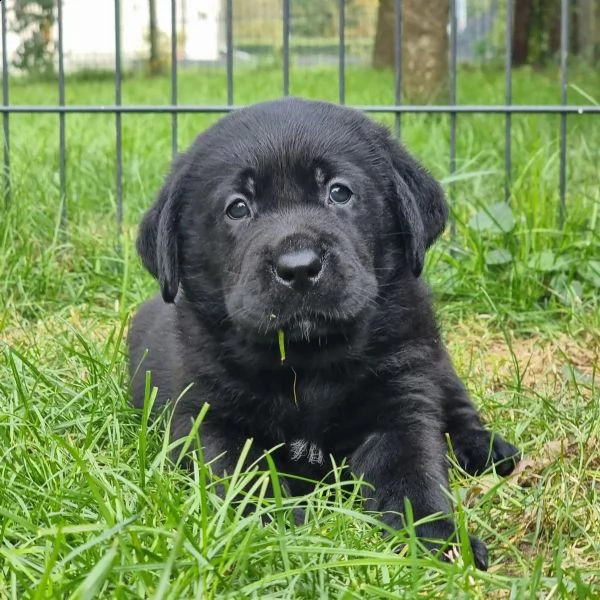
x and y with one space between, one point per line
89 30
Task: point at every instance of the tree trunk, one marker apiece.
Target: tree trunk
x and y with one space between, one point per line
383 51
588 30
155 65
424 46
595 32
554 26
521 28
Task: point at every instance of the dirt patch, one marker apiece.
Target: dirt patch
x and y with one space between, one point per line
533 361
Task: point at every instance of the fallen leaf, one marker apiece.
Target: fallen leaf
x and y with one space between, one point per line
483 485
528 470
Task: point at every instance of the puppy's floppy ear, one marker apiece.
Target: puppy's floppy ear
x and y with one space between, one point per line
157 242
423 209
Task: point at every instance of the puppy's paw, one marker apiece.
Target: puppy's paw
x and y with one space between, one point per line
480 553
451 553
478 450
299 516
479 550
439 537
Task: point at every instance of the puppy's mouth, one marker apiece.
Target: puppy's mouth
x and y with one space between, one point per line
318 329
305 330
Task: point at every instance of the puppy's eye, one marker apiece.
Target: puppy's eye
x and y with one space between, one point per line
238 209
339 194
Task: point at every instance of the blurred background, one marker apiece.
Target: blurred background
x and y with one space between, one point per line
201 29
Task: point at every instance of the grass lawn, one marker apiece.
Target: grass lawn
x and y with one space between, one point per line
89 505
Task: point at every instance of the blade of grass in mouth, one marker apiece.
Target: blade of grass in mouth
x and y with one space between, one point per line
281 338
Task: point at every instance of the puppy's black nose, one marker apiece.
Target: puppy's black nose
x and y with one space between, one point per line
298 269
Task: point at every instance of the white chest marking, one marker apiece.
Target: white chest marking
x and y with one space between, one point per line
305 449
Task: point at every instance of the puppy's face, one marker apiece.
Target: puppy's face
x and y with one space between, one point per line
289 233
290 215
301 243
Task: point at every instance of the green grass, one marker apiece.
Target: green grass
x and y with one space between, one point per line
88 502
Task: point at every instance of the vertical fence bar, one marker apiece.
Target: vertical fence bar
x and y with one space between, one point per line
61 119
286 47
564 52
508 102
398 63
173 77
118 124
229 43
453 103
342 52
5 99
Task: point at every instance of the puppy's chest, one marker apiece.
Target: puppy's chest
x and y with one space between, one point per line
309 401
310 415
314 414
327 420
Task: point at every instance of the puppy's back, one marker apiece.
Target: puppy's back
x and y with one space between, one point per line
151 348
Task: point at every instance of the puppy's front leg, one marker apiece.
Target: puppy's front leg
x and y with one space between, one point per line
476 448
222 448
409 462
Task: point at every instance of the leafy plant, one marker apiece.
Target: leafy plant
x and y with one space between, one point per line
33 21
314 18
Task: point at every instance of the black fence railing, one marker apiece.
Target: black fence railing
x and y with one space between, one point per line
453 109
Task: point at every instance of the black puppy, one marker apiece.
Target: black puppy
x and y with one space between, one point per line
308 221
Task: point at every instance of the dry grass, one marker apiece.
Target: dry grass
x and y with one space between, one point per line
539 361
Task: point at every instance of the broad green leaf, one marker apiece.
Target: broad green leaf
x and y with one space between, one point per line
498 256
569 292
497 218
543 261
590 271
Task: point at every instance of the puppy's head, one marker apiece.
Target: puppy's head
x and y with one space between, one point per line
290 215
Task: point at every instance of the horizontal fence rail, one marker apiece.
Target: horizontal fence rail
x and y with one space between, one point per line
398 109
556 109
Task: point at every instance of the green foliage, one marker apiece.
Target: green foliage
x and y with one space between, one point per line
33 21
497 218
543 32
320 18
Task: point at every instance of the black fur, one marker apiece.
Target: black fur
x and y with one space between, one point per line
366 377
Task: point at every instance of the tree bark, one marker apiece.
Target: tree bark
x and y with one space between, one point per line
554 19
594 15
383 51
155 65
521 28
588 30
424 46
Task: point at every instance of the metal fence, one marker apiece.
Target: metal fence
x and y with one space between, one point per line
398 109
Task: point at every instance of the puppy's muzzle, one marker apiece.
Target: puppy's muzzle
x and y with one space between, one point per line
298 269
